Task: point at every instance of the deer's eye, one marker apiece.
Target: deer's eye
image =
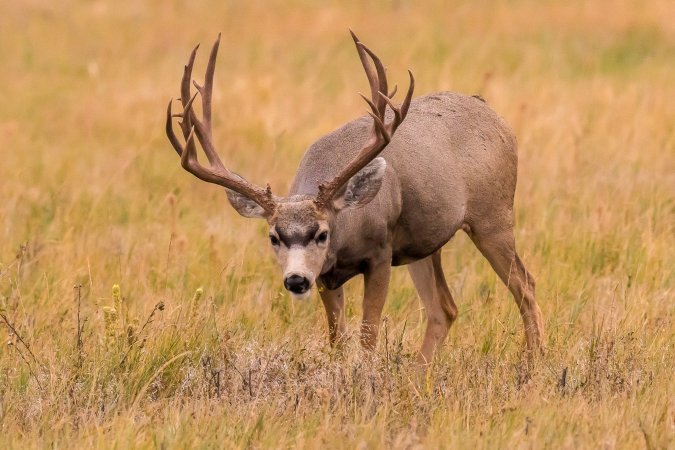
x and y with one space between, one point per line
322 237
274 240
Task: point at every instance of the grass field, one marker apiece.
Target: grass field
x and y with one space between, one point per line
92 195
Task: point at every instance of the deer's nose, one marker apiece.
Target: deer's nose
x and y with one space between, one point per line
296 284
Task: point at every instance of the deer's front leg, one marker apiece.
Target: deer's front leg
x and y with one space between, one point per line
374 295
334 303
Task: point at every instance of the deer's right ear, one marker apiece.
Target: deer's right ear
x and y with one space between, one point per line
245 206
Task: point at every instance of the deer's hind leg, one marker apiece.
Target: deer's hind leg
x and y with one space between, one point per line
427 275
498 246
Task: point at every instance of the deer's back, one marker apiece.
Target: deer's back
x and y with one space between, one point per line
454 161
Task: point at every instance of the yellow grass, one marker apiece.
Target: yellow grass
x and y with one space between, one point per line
91 194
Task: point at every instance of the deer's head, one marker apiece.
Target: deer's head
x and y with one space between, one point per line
300 227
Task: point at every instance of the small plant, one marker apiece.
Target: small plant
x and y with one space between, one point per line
115 320
194 304
110 318
117 298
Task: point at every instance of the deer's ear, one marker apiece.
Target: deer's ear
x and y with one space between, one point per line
362 187
245 206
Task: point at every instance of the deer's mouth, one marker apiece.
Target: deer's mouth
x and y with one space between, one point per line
303 296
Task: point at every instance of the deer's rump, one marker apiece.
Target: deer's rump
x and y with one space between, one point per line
454 161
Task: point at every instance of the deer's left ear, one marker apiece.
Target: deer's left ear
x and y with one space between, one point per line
362 187
245 206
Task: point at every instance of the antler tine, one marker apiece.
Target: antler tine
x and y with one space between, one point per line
408 96
185 93
401 111
381 132
203 127
381 128
169 131
189 155
207 90
373 79
192 126
169 124
381 77
372 105
397 111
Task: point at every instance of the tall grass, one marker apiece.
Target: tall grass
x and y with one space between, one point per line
200 346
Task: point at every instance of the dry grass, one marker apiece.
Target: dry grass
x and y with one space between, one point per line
92 195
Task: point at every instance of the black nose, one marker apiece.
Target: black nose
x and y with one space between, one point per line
296 284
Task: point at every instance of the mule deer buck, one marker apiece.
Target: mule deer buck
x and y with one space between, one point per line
384 190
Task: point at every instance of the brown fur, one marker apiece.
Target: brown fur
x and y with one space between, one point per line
451 165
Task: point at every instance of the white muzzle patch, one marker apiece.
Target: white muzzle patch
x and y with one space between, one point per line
296 264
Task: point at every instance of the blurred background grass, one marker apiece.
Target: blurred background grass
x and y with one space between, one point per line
92 194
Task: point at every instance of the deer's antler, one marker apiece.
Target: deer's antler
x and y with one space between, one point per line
381 132
190 126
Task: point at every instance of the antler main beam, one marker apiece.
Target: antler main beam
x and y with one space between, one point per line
191 125
381 132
